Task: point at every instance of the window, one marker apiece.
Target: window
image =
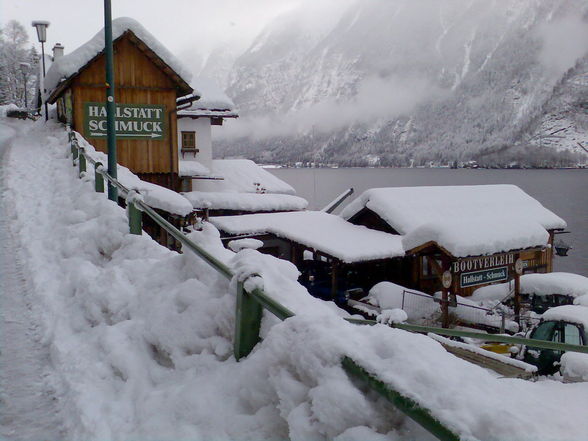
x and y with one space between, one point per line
188 140
572 334
544 331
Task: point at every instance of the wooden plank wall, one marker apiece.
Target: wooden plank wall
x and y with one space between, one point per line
137 81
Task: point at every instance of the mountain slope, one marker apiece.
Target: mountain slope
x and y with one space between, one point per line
394 81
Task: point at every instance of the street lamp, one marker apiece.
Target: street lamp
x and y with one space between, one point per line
24 68
42 26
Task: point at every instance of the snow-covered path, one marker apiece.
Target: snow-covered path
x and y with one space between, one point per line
29 409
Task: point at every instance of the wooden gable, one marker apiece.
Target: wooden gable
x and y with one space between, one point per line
368 218
139 79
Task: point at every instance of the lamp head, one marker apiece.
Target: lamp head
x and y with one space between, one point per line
41 26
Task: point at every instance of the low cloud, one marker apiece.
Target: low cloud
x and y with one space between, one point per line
565 40
376 99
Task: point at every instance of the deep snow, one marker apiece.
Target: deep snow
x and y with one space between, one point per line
140 338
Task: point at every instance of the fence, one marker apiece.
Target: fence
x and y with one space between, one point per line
250 304
423 308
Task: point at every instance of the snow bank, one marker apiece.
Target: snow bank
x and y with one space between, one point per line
567 284
240 244
5 108
153 195
472 220
570 313
142 337
388 295
574 366
193 168
244 176
317 230
71 63
245 201
421 308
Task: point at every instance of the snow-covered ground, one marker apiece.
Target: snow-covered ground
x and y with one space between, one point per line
133 341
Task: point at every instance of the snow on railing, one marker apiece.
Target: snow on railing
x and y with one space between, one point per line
251 303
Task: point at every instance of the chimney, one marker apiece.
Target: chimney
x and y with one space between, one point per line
57 51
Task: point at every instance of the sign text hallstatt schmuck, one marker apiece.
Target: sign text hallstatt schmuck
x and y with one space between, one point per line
132 121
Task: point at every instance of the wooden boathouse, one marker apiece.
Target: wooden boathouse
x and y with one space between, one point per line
459 238
148 81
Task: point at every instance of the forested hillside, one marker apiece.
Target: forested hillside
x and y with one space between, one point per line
474 80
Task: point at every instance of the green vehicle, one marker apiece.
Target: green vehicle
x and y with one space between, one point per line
562 324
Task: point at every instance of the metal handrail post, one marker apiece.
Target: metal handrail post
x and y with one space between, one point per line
98 178
135 219
247 323
81 162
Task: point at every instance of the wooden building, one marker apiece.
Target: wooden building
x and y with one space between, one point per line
459 238
333 256
148 80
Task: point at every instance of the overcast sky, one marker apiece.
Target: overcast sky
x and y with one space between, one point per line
181 25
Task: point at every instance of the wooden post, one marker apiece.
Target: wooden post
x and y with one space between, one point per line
446 265
517 298
247 323
334 280
444 308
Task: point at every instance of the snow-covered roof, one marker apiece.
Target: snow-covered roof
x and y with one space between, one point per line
244 176
70 64
478 235
318 230
193 168
251 202
465 220
213 101
567 284
569 313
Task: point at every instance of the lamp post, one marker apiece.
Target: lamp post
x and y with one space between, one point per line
110 105
41 27
24 68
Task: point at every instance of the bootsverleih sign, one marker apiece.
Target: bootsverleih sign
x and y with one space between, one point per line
482 277
132 121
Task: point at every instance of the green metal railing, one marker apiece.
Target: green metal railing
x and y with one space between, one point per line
250 304
495 338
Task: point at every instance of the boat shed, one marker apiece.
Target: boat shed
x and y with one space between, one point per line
459 238
332 255
148 80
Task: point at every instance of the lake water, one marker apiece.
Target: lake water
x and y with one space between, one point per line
565 192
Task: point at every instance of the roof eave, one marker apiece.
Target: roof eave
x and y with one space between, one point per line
182 86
